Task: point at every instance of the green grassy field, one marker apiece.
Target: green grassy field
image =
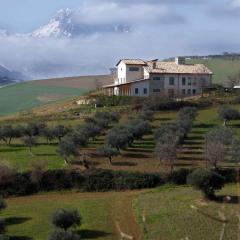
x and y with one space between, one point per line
24 96
169 215
29 217
221 68
139 157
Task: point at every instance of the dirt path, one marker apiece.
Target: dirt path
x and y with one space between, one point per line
123 213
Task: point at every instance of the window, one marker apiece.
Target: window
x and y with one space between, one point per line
194 91
183 91
203 81
184 81
134 69
145 91
189 91
136 90
157 78
156 90
171 81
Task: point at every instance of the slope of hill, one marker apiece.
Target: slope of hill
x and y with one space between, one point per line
24 96
87 82
222 68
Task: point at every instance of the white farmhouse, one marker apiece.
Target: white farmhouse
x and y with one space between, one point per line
136 77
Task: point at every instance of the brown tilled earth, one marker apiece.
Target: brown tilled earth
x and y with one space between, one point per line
86 82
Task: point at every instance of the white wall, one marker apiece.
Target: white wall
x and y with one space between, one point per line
122 69
140 85
125 75
193 83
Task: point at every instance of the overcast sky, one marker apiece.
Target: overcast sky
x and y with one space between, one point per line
160 29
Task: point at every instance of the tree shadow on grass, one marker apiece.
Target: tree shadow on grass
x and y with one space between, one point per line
196 142
92 234
193 147
187 152
45 154
16 220
189 158
130 164
135 155
139 150
204 125
11 149
221 199
19 238
195 138
162 119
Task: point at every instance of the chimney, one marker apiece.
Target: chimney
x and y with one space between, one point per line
180 60
154 63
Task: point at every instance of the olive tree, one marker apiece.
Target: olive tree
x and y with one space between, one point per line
67 149
119 138
60 131
166 150
227 114
108 152
217 141
235 151
30 142
66 219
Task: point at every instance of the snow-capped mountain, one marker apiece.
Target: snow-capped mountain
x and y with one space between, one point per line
66 25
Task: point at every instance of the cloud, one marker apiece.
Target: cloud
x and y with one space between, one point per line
157 34
226 9
134 14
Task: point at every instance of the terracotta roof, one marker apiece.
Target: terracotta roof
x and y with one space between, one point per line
172 67
132 62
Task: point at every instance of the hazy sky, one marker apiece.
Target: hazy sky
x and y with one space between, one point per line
161 28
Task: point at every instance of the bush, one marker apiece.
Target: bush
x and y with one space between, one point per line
206 180
229 174
2 226
98 180
179 177
66 219
63 235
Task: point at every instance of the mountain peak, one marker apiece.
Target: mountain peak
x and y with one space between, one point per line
65 24
62 14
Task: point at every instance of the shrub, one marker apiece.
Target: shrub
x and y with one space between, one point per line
66 219
206 180
63 235
179 177
2 226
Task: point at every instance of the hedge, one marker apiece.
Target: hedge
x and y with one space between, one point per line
95 180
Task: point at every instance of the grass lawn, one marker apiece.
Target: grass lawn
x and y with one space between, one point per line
21 158
24 96
169 215
29 217
139 157
221 68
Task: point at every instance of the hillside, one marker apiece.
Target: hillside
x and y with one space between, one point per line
222 68
24 96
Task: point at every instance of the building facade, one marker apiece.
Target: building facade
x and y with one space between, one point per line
136 77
